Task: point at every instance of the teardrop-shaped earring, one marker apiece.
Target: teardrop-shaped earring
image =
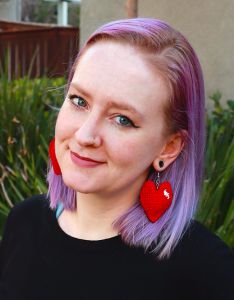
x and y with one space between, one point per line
53 158
156 198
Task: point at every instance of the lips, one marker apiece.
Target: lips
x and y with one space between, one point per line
85 158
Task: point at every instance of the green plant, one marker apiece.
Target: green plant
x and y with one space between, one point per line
27 124
216 209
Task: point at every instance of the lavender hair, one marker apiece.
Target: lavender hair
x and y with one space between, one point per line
169 52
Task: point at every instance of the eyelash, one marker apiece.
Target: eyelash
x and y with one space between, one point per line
72 97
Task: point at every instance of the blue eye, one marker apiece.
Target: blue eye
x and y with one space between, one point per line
124 121
80 103
77 101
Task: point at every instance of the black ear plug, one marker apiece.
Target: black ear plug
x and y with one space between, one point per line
161 163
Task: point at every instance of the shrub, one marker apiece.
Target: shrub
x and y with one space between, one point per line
27 126
216 209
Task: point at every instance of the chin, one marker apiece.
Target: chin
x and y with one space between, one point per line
78 185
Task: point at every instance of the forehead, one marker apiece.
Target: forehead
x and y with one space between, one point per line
110 69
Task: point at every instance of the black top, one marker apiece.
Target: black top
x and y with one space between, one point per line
38 260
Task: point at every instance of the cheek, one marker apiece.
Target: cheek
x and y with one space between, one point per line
125 152
138 151
129 152
64 125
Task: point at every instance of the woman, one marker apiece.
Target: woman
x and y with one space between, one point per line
125 175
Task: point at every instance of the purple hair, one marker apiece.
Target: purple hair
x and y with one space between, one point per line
169 52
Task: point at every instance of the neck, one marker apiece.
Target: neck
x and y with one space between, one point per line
95 214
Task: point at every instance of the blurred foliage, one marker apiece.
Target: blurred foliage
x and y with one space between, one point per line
27 125
42 11
28 114
216 209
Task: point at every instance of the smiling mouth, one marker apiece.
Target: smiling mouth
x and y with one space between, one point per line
85 158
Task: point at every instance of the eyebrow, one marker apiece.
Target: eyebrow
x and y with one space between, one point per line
111 102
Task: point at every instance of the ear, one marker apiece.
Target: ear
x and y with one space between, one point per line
171 149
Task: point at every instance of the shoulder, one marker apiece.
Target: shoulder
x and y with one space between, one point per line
199 245
201 242
32 203
209 258
23 225
28 211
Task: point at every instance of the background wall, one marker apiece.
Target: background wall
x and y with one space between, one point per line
93 13
10 10
208 24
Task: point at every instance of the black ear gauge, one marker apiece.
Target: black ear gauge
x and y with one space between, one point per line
161 163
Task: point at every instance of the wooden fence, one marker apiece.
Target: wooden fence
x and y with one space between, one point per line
36 50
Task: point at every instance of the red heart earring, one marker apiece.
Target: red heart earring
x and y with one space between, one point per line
155 200
53 158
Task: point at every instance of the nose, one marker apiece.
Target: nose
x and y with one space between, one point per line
87 134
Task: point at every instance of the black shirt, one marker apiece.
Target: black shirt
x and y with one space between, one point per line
38 260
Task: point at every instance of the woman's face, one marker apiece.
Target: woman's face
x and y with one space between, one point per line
93 124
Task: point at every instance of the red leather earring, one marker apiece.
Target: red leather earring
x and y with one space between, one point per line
53 158
155 200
